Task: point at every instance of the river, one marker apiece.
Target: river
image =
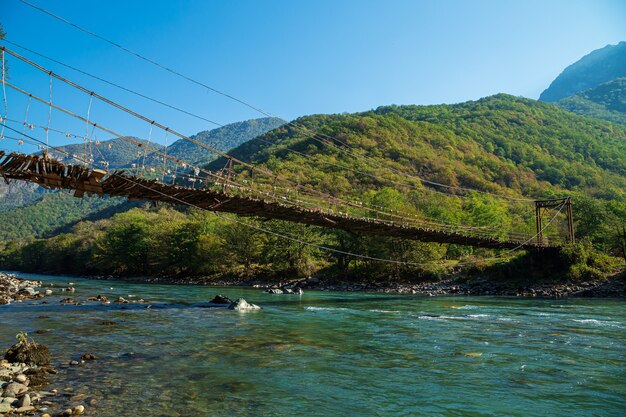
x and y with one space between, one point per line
330 353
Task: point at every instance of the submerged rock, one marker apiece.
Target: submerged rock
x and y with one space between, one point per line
274 291
241 304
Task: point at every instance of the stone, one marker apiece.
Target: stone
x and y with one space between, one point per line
5 407
14 389
274 291
67 412
121 300
241 304
79 409
21 378
24 401
298 290
29 353
48 292
28 291
45 415
5 375
89 357
221 299
73 363
25 409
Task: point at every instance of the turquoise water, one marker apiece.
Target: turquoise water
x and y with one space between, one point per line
331 354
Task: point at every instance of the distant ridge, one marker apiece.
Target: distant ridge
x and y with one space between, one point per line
598 67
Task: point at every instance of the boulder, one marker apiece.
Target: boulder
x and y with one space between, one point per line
5 407
298 290
28 353
241 304
274 291
221 299
14 389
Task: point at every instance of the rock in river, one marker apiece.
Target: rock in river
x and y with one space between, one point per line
221 299
241 304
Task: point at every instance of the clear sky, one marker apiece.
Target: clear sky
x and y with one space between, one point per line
294 58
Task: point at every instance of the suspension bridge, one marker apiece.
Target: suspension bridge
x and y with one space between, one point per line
271 198
52 174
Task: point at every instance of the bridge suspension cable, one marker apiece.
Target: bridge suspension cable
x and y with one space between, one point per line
265 113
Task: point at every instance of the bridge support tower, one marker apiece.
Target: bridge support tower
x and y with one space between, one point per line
542 205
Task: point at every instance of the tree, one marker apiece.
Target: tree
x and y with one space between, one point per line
290 255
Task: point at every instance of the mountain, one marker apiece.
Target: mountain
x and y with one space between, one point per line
223 139
501 144
606 101
55 212
598 67
118 152
17 194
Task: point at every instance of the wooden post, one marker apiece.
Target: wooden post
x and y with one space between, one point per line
538 223
570 221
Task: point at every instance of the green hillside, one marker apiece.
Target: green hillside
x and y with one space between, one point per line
500 144
598 67
54 213
607 101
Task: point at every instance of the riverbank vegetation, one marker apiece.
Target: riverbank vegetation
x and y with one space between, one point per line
168 242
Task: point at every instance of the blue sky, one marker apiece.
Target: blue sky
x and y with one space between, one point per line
294 58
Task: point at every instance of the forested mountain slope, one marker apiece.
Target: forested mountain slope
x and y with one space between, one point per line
606 101
501 144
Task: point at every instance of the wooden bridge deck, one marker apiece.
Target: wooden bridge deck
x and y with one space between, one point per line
53 174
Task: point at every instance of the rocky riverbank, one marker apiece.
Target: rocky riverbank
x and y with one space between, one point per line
612 286
13 289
